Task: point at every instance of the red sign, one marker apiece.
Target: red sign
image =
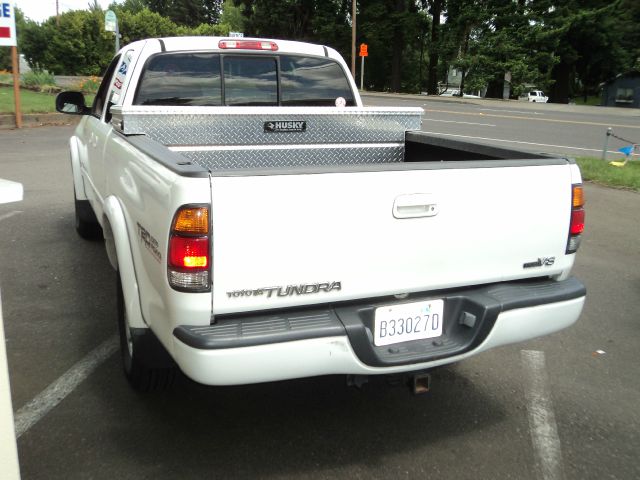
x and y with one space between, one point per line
5 32
364 50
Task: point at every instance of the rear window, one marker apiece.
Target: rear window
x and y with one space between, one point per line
312 82
250 81
182 79
194 79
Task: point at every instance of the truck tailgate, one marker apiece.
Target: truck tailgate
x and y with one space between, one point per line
287 240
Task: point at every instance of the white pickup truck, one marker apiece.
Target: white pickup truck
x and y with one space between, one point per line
537 96
264 225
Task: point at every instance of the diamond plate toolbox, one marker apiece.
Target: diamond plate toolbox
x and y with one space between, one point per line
294 157
226 126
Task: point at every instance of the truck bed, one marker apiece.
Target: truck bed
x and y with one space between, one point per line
220 138
332 138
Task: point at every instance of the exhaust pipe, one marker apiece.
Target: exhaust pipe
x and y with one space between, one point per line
420 383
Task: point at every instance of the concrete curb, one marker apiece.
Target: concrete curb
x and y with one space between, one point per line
8 121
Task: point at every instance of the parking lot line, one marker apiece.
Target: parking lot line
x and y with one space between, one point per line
9 215
45 401
542 422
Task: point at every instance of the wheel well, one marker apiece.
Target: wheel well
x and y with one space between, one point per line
110 243
78 181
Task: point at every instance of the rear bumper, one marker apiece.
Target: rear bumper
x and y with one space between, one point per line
337 340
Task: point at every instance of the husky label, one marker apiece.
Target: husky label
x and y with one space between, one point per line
284 126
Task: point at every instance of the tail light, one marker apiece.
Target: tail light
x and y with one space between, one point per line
576 226
248 45
189 262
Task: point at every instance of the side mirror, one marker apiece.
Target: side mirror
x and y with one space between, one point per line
72 103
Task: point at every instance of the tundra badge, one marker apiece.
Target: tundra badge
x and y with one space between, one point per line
541 262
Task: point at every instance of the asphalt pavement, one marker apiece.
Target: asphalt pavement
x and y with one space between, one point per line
572 130
58 295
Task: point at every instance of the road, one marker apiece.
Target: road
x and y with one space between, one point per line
566 129
58 295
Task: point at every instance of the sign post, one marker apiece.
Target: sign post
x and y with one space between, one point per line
111 25
364 52
8 39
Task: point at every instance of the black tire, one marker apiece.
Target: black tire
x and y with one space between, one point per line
147 365
87 224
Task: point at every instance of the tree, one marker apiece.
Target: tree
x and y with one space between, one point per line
435 9
628 11
286 19
394 31
565 47
591 45
318 21
132 6
187 12
460 35
232 17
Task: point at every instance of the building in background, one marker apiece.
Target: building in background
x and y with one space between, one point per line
622 91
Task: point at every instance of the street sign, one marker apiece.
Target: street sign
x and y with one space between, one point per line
111 25
8 39
7 25
364 52
110 21
236 34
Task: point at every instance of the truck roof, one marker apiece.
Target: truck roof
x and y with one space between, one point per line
212 43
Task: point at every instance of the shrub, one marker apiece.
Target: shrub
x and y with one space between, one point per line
39 80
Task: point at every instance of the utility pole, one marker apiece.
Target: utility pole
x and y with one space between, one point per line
353 40
58 13
15 65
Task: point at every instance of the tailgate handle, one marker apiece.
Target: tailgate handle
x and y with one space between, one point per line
415 205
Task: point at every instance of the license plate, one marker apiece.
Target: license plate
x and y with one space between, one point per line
408 321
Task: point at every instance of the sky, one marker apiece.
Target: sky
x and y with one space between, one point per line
40 10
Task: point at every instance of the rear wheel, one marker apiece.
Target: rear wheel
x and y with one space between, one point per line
147 365
87 224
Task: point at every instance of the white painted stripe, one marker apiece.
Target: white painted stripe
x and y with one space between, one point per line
453 121
9 215
542 422
209 148
509 111
45 401
528 143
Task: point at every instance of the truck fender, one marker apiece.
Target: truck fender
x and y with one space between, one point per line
78 183
121 258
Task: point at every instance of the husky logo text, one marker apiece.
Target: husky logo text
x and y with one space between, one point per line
284 126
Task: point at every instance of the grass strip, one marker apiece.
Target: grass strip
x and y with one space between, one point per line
30 102
599 171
